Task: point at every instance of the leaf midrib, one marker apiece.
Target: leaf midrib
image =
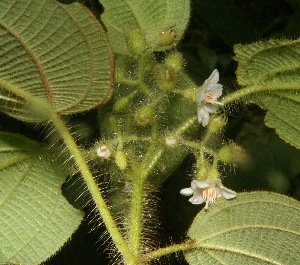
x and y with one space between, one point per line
239 252
35 60
245 227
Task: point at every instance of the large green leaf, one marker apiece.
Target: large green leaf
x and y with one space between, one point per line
35 219
255 228
152 18
271 71
51 55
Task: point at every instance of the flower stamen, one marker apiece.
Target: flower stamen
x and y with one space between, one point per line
209 196
210 98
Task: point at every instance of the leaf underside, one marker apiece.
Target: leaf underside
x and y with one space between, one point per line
35 219
255 228
152 18
272 70
51 55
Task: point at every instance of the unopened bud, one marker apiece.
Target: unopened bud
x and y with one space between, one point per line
121 104
168 37
174 61
171 141
136 42
121 159
103 152
232 154
144 115
166 78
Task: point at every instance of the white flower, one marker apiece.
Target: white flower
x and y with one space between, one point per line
103 152
207 191
207 97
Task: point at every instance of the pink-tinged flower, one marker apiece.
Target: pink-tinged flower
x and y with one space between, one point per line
207 191
207 98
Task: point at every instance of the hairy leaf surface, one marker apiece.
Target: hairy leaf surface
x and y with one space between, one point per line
154 19
271 71
52 56
35 219
255 228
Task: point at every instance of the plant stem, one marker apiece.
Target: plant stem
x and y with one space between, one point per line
135 229
136 209
93 188
142 84
249 90
168 250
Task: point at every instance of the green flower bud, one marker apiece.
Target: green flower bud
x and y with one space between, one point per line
144 115
174 61
232 154
168 37
166 78
216 124
121 159
136 42
121 104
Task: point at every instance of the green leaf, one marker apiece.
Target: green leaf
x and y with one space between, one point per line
255 228
35 219
271 71
157 20
52 56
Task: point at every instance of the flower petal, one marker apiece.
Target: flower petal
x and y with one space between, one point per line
187 192
210 108
201 184
197 198
203 116
217 90
217 182
200 96
210 82
227 193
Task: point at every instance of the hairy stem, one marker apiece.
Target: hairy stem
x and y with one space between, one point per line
249 90
189 245
93 189
136 209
